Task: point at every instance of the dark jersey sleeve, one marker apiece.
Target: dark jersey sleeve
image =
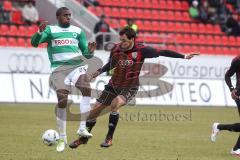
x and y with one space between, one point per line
230 72
149 52
110 65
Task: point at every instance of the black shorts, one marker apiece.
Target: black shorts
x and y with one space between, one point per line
109 93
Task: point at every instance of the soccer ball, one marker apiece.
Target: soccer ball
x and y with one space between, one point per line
50 137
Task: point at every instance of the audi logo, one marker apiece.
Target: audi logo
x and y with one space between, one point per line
125 62
25 63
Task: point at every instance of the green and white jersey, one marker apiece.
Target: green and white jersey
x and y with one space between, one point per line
64 44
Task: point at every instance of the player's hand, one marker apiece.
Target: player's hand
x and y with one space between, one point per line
92 47
42 26
191 55
234 94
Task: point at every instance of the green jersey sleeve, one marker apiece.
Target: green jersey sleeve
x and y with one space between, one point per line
83 46
41 38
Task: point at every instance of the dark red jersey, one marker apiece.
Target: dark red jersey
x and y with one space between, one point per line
128 64
234 68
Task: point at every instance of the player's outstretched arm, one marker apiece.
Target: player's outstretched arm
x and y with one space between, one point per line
150 52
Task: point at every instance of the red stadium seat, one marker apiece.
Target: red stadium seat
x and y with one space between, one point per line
22 31
131 3
179 38
7 5
139 14
170 4
194 28
171 26
186 17
232 41
177 5
12 42
132 13
147 14
115 12
92 9
147 25
187 39
224 40
21 42
210 40
201 39
162 4
162 26
28 43
170 15
163 15
155 25
186 27
113 23
13 30
122 22
139 4
155 15
194 39
123 13
234 51
107 10
4 29
155 4
217 40
3 41
178 27
139 23
218 50
31 30
184 5
178 16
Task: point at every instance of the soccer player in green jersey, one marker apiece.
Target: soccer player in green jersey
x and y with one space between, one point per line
66 43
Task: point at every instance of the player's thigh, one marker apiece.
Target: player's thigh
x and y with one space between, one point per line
107 95
57 80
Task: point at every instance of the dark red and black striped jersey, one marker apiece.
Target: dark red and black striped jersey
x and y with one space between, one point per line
128 64
234 68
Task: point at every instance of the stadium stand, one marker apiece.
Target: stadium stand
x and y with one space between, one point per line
157 17
13 31
154 18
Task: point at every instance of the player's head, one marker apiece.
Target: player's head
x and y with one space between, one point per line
63 15
127 37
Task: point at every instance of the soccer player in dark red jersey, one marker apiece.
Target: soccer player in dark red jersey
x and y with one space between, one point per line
235 93
127 58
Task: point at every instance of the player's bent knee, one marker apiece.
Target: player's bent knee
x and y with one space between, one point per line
118 102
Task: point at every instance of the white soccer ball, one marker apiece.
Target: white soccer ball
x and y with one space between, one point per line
50 137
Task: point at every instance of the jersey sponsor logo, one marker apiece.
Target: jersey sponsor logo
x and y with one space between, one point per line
125 63
64 42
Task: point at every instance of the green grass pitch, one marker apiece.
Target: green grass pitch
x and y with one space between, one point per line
143 133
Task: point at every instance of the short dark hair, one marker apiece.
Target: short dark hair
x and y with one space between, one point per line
60 10
128 31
